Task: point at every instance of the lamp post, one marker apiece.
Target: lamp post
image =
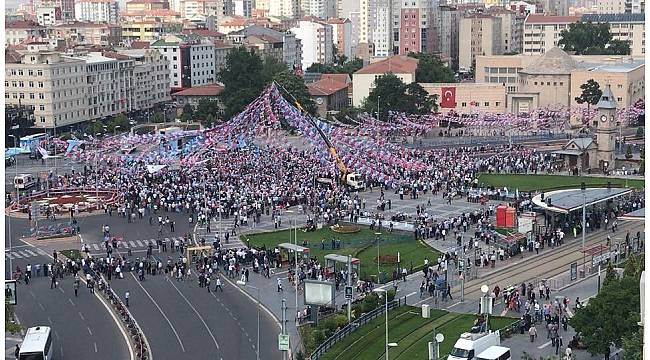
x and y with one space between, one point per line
18 205
583 187
295 263
378 98
257 347
378 290
377 235
115 130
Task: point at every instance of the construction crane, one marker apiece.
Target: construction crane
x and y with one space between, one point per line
351 179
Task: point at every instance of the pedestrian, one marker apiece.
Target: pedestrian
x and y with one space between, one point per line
558 344
207 283
54 283
17 352
75 286
218 285
280 285
126 297
532 332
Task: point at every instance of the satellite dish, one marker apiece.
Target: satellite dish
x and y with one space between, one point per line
485 289
440 338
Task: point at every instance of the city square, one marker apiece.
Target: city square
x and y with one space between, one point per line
273 202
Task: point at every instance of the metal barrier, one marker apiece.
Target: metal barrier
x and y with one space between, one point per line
353 326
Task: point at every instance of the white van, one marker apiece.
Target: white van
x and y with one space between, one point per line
37 344
469 345
495 353
24 181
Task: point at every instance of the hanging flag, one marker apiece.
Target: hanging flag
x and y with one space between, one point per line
448 97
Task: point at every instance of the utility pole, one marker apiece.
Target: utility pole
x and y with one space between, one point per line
584 228
349 284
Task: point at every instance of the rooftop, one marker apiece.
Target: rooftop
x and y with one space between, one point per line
343 78
621 66
140 45
534 18
554 61
21 24
205 90
609 18
91 57
566 201
325 87
400 64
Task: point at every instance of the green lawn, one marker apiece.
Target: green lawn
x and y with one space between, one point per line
410 331
549 182
71 254
360 245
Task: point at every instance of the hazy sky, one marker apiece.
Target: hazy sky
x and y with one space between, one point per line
13 3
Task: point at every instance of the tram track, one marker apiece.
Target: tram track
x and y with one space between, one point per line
553 263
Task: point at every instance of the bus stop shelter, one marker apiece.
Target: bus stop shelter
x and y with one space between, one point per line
336 262
636 215
287 251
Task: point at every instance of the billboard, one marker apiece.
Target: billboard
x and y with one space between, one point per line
10 292
319 293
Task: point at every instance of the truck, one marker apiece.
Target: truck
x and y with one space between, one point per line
469 345
24 181
352 180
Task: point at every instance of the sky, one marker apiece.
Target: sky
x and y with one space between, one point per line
13 3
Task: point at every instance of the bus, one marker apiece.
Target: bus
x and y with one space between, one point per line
29 143
37 344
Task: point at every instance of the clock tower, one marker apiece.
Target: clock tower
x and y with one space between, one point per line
606 130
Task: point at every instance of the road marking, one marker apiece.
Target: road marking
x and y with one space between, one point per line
62 352
18 247
159 309
70 300
95 344
49 320
123 244
139 243
18 254
153 242
81 316
30 253
90 332
413 293
544 345
451 306
56 334
10 255
41 306
196 312
132 244
96 247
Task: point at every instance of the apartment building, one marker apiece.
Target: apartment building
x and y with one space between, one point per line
479 34
628 27
512 29
363 81
542 32
611 6
291 48
146 30
289 9
19 31
96 11
342 35
144 6
412 22
86 33
316 39
48 15
444 33
322 9
191 60
68 88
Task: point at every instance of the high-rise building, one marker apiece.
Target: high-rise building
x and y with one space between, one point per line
542 32
479 34
191 60
316 39
414 18
20 31
48 15
627 27
96 11
291 53
322 9
284 8
382 28
512 29
611 6
556 7
342 35
444 33
243 7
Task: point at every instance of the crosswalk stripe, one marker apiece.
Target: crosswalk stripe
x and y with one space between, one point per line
96 247
18 254
122 244
132 244
153 242
9 255
30 253
139 243
41 252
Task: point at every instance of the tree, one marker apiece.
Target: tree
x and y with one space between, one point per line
120 120
431 69
158 117
628 152
272 67
591 93
93 128
242 80
344 67
295 85
600 321
188 113
586 38
633 346
207 111
392 94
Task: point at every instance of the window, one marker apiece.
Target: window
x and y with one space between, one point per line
619 99
22 95
31 96
40 84
21 84
561 83
463 104
487 103
535 83
41 107
497 103
39 73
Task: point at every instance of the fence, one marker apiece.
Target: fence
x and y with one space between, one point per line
353 326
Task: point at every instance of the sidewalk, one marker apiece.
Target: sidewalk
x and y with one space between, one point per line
10 345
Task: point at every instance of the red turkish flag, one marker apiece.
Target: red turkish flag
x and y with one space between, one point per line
448 97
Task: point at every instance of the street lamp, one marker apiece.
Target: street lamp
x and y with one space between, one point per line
97 171
377 235
393 344
583 187
257 348
18 206
295 254
115 130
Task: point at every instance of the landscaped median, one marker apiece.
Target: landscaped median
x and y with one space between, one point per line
360 245
525 182
410 331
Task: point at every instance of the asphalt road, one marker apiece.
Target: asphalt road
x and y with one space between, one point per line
82 327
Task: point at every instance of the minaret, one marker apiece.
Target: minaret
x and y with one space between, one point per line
606 130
